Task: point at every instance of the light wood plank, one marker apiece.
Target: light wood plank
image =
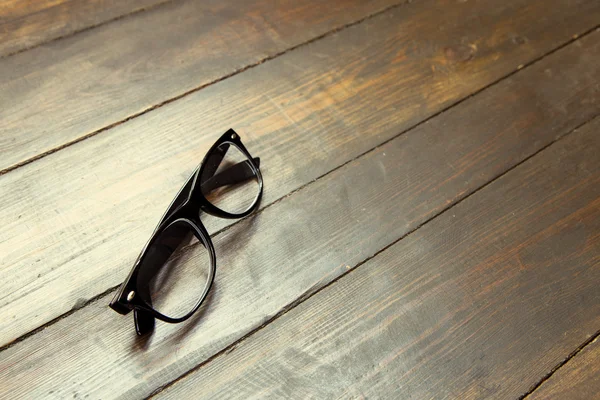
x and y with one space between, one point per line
27 23
65 90
578 379
270 262
75 220
479 303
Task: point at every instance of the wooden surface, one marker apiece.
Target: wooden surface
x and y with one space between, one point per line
325 103
73 88
104 76
430 218
578 380
28 23
478 303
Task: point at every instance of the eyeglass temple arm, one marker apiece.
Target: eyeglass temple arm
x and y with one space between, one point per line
232 175
237 173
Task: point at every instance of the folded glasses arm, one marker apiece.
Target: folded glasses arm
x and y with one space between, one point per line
237 173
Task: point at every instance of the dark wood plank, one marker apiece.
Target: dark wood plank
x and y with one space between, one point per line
96 203
480 303
27 23
578 379
57 93
270 262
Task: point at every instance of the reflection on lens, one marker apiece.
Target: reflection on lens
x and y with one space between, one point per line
229 181
175 271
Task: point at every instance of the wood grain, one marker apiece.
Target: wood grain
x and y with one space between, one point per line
272 261
67 89
480 303
578 379
75 220
27 23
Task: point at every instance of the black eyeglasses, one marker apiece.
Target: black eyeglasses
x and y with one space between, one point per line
179 259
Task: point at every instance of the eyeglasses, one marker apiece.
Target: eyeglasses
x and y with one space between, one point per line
174 272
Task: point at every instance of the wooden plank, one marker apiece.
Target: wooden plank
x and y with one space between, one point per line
578 379
27 23
65 90
479 303
96 203
270 262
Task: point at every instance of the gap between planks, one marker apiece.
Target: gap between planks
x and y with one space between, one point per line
198 88
228 349
559 365
87 28
424 121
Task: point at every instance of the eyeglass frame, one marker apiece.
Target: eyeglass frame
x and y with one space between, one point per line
186 208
